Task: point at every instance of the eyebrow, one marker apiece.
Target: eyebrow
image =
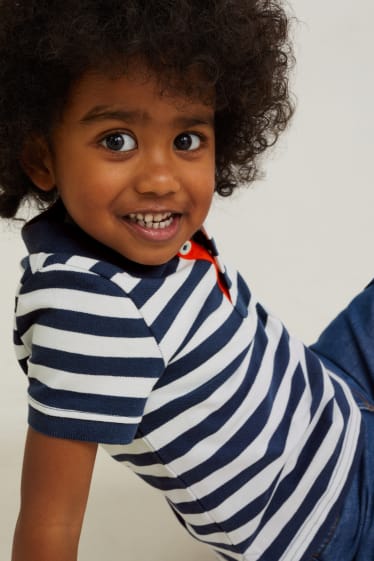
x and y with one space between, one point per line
104 113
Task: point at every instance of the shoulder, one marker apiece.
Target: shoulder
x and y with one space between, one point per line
84 345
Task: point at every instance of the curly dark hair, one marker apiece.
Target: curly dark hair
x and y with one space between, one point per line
240 47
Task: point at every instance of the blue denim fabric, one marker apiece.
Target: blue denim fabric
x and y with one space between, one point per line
347 348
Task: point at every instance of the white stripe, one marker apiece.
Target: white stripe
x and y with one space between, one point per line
155 305
317 464
81 415
80 262
118 386
187 315
137 446
125 281
37 260
203 449
203 373
213 321
77 301
255 451
337 481
91 345
295 499
21 352
209 326
258 447
195 378
255 486
65 268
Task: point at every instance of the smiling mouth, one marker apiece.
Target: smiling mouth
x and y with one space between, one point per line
157 221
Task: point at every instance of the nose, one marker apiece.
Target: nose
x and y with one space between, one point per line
157 177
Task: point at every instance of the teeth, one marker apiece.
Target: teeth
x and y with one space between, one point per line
153 221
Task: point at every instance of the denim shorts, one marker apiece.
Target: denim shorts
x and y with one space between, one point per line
347 348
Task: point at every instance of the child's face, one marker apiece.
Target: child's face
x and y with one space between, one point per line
135 169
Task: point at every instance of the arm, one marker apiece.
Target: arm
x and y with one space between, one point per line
55 485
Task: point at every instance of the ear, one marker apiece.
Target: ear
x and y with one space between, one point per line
37 163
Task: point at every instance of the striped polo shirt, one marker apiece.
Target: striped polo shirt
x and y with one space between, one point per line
191 383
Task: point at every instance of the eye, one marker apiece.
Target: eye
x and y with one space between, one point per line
119 142
187 141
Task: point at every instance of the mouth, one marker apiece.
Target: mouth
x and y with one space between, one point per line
152 221
154 226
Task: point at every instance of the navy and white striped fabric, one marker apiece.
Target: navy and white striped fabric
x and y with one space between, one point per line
247 435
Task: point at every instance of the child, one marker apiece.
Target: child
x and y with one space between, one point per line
124 118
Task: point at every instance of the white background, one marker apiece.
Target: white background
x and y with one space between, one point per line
301 237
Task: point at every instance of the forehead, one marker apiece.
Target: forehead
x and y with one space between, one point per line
137 91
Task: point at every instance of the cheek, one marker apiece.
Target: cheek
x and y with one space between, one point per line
204 176
205 183
95 184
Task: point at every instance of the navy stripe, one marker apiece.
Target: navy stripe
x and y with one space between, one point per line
303 462
24 364
56 259
157 418
341 399
201 354
145 459
211 304
105 269
83 364
84 402
164 483
315 378
244 296
16 338
319 486
177 300
186 440
227 557
90 431
143 291
238 443
81 322
71 280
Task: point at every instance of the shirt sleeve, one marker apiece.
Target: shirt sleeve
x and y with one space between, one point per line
90 358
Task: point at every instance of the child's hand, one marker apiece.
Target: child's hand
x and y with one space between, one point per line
55 484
